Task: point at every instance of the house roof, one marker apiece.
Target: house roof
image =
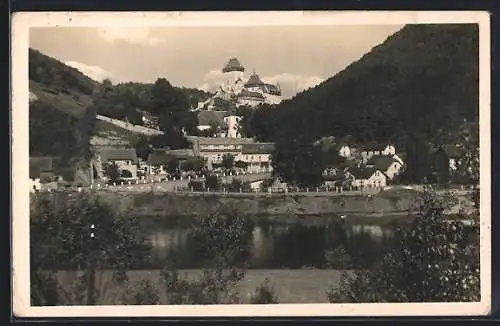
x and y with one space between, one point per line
233 65
340 175
208 118
118 154
183 153
254 80
273 89
362 172
258 148
246 93
382 162
38 165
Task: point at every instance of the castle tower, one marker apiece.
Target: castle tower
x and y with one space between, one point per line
233 71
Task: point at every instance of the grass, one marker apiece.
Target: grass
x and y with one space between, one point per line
290 286
72 103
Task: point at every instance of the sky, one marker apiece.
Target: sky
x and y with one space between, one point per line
298 57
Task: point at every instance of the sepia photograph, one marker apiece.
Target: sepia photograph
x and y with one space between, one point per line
251 164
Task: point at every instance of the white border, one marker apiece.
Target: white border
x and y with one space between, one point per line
22 22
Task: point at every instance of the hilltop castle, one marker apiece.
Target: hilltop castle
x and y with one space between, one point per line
251 92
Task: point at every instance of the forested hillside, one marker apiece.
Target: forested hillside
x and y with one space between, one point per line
423 79
61 117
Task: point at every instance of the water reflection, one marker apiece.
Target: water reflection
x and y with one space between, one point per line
282 246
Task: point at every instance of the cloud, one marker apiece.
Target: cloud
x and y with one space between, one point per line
135 35
95 72
290 84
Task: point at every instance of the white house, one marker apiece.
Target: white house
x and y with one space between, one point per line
256 185
387 164
367 177
257 156
345 151
124 158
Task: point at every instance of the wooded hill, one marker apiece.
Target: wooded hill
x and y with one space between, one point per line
61 119
422 79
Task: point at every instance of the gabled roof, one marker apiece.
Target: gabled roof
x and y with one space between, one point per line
362 172
273 89
39 165
208 118
258 148
382 162
118 154
219 140
233 65
246 93
254 80
340 175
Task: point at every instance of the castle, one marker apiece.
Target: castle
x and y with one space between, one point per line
251 92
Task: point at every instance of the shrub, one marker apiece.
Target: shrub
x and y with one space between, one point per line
338 258
264 294
78 232
221 241
433 261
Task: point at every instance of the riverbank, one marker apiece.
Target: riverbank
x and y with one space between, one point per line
172 204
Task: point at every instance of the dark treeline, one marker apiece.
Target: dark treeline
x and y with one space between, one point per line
423 79
415 89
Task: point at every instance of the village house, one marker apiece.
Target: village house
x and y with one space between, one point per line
367 177
377 150
41 172
159 160
213 119
337 179
345 151
257 156
390 166
124 158
256 185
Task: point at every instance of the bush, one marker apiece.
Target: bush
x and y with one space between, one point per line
221 241
264 294
78 232
338 258
196 185
144 293
433 261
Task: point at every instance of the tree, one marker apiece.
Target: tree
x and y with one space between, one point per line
79 233
142 147
221 241
112 171
433 260
228 162
212 182
298 161
195 164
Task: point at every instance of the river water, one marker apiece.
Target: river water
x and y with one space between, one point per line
282 246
